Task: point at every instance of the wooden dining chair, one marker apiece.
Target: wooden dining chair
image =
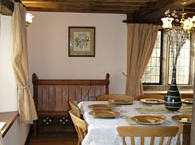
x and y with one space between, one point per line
145 96
179 134
74 106
114 97
80 126
148 131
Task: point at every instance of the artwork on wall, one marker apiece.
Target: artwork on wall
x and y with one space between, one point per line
81 41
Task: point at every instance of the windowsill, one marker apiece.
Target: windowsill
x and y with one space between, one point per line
161 89
9 118
164 92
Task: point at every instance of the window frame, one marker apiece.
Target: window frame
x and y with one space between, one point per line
163 83
161 63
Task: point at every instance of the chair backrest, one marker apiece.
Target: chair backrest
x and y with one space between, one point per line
147 131
156 96
80 126
114 97
74 106
179 134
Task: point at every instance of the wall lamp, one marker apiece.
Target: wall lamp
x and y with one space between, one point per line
29 18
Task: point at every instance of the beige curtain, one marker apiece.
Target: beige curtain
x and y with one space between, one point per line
140 43
26 105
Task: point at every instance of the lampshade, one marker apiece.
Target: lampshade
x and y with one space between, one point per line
187 24
29 18
167 22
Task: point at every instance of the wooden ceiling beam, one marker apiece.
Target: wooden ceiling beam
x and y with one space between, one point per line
138 11
154 12
80 7
76 1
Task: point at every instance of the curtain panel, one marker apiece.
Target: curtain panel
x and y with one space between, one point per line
140 43
26 104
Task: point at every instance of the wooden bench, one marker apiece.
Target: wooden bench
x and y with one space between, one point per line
51 98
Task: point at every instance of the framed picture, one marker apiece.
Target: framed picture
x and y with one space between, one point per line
81 41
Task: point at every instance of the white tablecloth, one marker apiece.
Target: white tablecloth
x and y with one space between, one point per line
103 131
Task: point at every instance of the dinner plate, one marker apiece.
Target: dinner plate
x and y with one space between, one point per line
121 102
183 118
152 101
148 119
187 100
104 113
100 106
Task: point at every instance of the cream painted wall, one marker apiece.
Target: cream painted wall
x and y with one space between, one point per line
48 47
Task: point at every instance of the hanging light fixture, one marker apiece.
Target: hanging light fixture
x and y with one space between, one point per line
172 18
29 18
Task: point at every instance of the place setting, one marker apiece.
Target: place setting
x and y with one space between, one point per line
126 101
103 111
183 118
152 101
147 119
188 101
100 106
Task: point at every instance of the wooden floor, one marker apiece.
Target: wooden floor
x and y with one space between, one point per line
65 138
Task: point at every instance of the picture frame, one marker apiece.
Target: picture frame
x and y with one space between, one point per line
81 41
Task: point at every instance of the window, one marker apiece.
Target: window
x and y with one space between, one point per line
152 73
159 69
183 65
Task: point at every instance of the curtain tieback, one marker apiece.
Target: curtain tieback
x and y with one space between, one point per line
22 87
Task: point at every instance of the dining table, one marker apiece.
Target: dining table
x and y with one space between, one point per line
102 130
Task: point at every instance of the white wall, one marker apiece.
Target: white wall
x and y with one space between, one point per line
8 99
48 47
17 134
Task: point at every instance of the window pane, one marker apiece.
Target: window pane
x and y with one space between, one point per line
183 65
152 72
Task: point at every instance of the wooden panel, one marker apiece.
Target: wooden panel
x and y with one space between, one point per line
51 98
186 134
